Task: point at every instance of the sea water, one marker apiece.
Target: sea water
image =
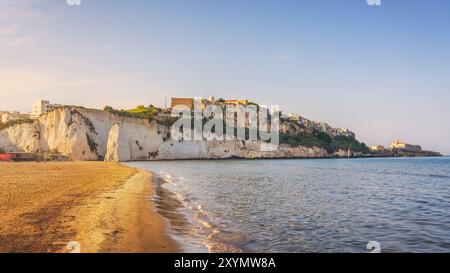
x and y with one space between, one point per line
305 205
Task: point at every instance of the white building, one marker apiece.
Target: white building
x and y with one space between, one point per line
377 148
345 132
319 126
41 107
292 117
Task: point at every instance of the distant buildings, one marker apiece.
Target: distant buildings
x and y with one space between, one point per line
377 148
11 116
182 102
189 102
396 146
319 126
345 132
41 107
404 146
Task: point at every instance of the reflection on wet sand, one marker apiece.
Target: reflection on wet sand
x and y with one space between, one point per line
168 206
189 222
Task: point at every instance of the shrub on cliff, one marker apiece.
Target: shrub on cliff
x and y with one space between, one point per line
324 137
348 143
308 140
14 122
323 140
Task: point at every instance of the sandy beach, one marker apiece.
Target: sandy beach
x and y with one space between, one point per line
105 207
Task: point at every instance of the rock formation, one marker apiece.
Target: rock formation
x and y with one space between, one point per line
88 134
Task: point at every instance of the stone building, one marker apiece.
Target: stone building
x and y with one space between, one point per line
404 146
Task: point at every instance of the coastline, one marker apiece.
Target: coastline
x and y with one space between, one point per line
105 207
280 158
129 223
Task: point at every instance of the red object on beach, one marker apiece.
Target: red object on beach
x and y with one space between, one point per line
7 157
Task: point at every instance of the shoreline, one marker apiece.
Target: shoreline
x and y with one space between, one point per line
103 207
190 225
278 158
132 223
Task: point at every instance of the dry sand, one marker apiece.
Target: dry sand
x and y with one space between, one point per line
105 207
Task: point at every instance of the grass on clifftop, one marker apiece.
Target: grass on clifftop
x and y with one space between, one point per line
139 112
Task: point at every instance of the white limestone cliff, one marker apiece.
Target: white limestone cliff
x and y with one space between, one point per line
88 134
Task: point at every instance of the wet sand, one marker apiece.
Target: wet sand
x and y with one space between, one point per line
105 207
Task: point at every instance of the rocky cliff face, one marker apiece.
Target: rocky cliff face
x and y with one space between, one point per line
87 134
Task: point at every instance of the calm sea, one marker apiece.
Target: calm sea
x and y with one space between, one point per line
316 205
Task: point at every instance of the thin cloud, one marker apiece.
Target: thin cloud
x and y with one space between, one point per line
19 40
95 82
20 21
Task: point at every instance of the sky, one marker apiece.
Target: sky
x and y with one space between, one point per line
382 71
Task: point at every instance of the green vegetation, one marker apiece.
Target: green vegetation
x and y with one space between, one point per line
139 112
349 143
307 140
325 141
324 137
14 122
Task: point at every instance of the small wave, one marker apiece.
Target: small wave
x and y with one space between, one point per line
386 172
438 176
220 242
197 220
167 177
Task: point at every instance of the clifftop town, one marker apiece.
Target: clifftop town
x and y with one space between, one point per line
144 133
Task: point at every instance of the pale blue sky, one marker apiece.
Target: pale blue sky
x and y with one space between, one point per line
383 72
